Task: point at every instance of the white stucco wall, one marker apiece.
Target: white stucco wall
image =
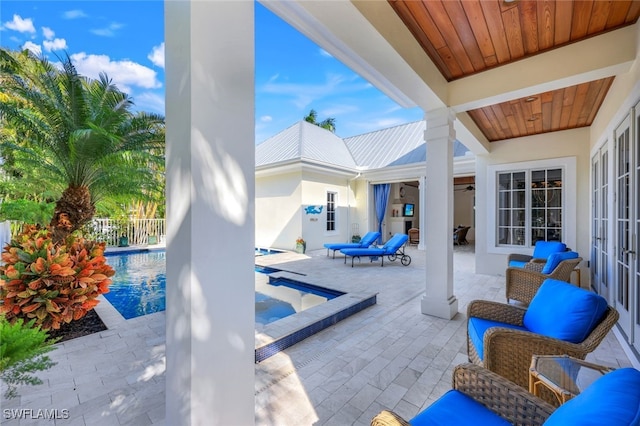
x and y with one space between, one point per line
314 193
569 143
278 219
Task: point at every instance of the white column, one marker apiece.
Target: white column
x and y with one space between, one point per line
210 211
422 208
440 136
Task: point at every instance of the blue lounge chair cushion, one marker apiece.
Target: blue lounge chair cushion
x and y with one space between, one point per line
456 408
554 260
390 247
612 400
368 239
477 328
544 249
564 311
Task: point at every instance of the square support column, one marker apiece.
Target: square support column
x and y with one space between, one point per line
422 208
210 212
438 236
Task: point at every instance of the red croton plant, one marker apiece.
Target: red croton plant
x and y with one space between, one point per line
51 283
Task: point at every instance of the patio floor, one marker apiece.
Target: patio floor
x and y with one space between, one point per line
388 356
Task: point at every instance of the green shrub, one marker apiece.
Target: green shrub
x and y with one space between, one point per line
22 352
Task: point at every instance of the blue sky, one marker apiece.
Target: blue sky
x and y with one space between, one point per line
125 39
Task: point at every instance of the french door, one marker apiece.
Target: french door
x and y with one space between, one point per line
600 223
626 227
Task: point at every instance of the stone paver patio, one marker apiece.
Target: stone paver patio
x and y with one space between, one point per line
388 356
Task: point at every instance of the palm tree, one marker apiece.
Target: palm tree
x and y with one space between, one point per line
79 134
327 123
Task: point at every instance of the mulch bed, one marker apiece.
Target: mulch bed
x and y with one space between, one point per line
89 324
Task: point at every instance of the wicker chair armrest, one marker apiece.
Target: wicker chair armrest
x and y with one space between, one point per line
526 274
519 257
388 418
503 397
508 352
534 266
496 311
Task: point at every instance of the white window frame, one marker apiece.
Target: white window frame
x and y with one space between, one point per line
336 222
569 191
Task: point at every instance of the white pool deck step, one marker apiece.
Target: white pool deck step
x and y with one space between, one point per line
388 356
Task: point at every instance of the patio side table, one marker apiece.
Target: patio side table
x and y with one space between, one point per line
563 375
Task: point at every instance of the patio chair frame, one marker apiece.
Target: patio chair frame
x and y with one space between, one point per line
508 352
523 283
508 400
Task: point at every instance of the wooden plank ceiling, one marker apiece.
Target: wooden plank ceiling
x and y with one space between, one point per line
464 37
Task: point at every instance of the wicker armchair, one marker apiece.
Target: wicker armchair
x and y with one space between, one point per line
508 352
523 283
507 400
414 236
541 251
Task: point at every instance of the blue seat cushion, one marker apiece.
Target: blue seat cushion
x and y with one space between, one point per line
517 263
564 311
554 260
612 400
371 251
477 328
543 249
456 408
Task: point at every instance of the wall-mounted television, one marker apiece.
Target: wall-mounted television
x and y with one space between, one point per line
408 210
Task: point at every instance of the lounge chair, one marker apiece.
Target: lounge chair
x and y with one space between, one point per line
561 319
480 397
368 239
393 249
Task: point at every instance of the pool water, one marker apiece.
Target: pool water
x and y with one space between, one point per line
139 283
138 287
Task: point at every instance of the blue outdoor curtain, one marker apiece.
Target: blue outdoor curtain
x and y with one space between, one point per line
380 197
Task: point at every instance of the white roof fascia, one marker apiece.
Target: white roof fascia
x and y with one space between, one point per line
299 165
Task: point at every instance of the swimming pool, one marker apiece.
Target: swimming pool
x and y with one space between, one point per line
138 289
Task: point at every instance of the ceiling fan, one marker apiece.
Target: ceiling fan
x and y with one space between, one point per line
467 188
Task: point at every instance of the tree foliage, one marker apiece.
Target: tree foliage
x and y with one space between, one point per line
76 137
328 123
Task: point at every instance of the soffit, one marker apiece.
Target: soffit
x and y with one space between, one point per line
464 38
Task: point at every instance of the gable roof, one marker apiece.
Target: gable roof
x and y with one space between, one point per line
394 146
304 141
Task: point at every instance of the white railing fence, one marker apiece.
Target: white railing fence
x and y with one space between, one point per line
137 232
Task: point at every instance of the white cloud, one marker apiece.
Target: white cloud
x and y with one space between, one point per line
35 48
20 25
325 54
74 14
157 55
109 31
56 44
124 74
150 102
266 118
48 33
303 94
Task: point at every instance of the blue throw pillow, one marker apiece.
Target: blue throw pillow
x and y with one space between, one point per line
612 400
554 260
564 311
544 249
